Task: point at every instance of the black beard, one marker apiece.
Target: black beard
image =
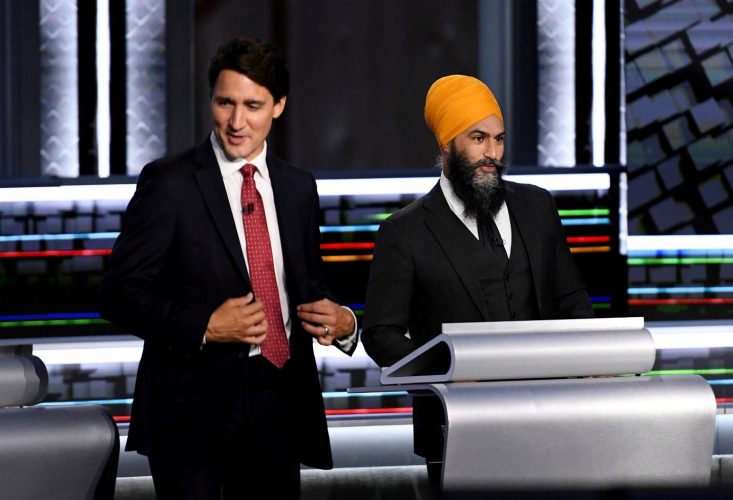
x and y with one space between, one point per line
482 193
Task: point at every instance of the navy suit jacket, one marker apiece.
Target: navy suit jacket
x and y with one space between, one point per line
420 277
176 260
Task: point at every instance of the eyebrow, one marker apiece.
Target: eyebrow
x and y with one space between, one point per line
483 132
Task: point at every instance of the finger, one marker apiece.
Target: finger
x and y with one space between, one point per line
325 340
316 318
315 330
323 306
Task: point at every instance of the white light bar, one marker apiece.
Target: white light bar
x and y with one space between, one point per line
683 242
692 337
129 351
68 193
326 187
598 107
72 353
565 182
103 94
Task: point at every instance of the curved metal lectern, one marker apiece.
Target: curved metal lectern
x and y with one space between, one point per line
525 407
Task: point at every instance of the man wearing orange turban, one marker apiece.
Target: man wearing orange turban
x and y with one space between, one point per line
475 248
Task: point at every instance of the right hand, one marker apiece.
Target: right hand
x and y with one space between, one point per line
238 319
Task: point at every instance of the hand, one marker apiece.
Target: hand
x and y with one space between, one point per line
326 320
238 320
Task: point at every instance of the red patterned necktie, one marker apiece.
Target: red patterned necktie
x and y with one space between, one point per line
262 269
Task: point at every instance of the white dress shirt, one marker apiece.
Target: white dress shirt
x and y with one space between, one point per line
502 220
233 181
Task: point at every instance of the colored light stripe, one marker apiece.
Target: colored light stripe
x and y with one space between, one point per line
23 317
601 306
108 402
347 246
600 298
121 419
54 253
697 301
701 371
654 290
368 411
725 381
723 400
346 258
350 229
52 322
710 252
595 221
680 261
588 239
590 249
344 394
585 212
59 237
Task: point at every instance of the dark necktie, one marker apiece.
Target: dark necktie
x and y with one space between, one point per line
262 269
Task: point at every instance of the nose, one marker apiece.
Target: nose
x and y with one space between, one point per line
490 150
237 118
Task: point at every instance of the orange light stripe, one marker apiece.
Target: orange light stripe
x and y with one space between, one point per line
368 411
588 239
654 302
347 246
54 253
346 258
589 249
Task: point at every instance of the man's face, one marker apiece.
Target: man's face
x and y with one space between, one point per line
473 165
483 140
242 112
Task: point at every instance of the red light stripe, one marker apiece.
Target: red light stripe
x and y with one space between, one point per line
54 253
347 246
368 411
588 239
121 418
723 400
656 302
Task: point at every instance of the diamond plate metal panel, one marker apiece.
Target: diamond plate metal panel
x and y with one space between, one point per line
556 82
59 108
146 82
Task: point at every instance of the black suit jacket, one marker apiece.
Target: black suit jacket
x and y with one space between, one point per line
176 260
420 277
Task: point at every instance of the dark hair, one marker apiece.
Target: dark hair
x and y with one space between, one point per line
259 61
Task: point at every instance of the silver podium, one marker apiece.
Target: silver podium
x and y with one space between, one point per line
560 405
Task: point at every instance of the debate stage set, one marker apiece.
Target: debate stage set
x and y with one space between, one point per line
621 109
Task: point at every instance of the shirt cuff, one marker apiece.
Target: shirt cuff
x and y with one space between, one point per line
347 343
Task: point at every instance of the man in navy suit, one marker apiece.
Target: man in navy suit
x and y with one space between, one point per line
475 248
215 410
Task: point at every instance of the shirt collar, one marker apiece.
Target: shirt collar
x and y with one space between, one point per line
454 202
229 167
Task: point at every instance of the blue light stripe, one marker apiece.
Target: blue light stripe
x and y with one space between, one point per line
697 252
591 221
724 381
126 401
35 317
654 290
342 394
59 237
350 229
600 299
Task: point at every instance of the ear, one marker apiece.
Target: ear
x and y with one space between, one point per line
279 107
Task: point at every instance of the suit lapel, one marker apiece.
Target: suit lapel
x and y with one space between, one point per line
526 223
210 182
287 212
449 231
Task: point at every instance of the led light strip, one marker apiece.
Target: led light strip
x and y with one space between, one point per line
678 261
655 290
685 242
326 187
54 253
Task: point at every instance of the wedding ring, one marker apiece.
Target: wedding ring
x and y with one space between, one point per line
325 330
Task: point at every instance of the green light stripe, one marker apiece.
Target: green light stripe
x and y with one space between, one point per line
708 371
601 306
585 212
53 322
679 261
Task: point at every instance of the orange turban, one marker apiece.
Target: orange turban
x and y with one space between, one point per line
456 102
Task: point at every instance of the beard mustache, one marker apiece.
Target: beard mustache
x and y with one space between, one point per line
482 193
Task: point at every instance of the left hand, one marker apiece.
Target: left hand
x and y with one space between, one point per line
326 320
